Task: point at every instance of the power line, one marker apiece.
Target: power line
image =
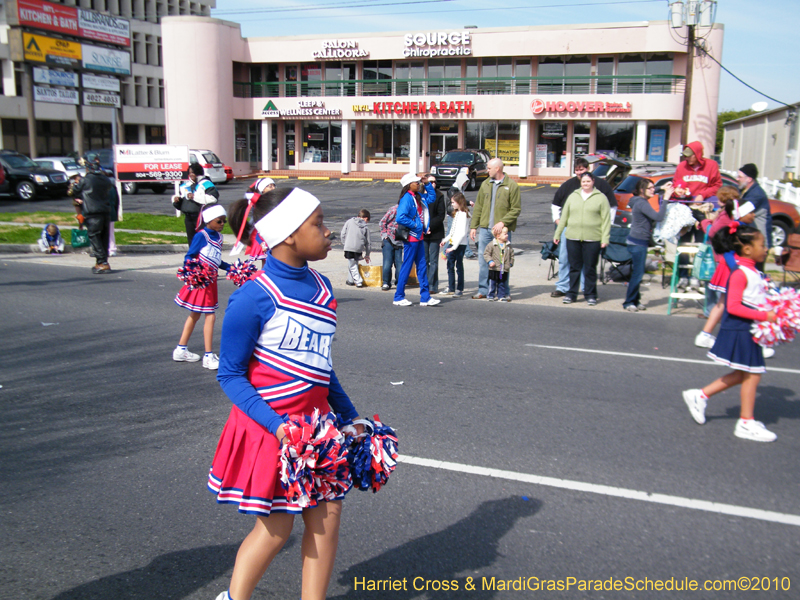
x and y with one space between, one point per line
460 11
704 51
336 6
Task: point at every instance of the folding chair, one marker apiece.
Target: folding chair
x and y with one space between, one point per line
616 255
550 252
790 258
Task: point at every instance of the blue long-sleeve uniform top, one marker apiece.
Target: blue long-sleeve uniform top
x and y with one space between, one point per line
407 210
199 242
248 310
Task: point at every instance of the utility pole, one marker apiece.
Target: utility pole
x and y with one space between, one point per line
692 14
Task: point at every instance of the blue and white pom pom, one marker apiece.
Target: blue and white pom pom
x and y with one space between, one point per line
197 274
372 456
314 460
240 271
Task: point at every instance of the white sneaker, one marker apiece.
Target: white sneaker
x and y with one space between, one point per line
431 302
403 302
224 596
683 283
183 355
211 361
696 404
704 340
754 431
768 352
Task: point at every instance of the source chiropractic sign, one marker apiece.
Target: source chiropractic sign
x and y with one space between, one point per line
437 43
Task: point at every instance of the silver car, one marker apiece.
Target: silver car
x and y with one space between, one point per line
65 164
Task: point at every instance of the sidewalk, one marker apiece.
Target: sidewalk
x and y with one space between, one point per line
529 283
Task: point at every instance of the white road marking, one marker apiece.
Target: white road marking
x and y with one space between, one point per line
606 490
653 357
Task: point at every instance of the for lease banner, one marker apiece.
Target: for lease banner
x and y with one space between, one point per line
77 22
151 162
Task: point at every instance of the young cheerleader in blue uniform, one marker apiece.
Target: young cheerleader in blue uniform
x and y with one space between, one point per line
276 362
207 247
734 346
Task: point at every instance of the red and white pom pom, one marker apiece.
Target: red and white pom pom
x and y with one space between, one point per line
314 460
785 302
197 274
241 271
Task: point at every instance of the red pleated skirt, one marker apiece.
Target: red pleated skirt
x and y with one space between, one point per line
246 466
203 301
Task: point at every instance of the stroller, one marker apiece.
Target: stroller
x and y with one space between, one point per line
550 252
616 255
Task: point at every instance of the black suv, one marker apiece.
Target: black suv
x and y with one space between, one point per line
27 180
472 162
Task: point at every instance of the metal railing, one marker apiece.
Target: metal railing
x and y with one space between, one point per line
461 86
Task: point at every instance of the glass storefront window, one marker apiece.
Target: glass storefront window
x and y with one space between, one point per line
377 78
522 73
578 67
659 64
414 70
506 146
387 143
478 132
472 76
288 134
605 72
616 138
551 149
550 66
580 138
290 75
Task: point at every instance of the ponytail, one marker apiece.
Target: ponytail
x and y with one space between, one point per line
733 237
253 205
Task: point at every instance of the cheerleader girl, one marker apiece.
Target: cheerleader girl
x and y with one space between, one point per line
242 225
207 247
734 346
276 361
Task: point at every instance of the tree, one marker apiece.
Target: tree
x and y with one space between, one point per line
724 117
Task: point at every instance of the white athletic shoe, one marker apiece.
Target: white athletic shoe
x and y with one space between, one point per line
183 355
769 352
403 302
431 302
211 361
224 596
704 340
754 431
696 404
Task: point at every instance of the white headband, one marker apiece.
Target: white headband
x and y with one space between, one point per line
286 218
745 209
215 212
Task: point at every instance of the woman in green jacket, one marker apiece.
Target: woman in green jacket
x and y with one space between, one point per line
586 216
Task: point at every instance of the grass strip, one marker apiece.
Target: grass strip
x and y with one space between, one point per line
132 220
13 234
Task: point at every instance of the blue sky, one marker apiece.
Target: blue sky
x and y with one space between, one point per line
760 43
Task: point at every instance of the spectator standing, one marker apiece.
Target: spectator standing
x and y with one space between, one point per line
196 193
498 205
412 213
587 219
93 194
392 248
560 197
643 217
355 237
456 242
433 237
499 255
753 192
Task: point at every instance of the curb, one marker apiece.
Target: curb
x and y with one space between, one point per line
131 249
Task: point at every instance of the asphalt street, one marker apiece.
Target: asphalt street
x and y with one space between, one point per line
106 444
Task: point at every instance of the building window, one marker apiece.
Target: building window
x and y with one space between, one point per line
495 76
290 76
472 76
444 76
131 134
478 132
288 134
97 136
506 145
311 72
377 78
387 143
405 71
155 134
15 135
53 138
605 75
551 150
522 74
631 68
577 70
322 141
616 138
550 76
659 64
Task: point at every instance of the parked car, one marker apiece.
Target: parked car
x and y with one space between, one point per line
623 178
470 161
212 165
67 164
28 180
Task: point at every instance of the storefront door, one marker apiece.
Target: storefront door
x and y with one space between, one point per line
441 143
289 138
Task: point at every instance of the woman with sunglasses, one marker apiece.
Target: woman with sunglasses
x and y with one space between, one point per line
206 246
643 219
